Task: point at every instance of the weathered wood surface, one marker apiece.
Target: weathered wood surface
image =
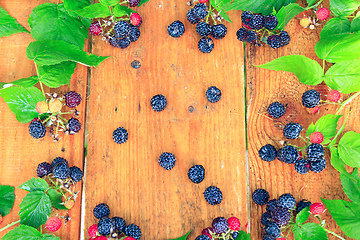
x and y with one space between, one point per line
19 152
166 204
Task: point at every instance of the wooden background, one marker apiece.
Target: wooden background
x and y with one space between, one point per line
165 204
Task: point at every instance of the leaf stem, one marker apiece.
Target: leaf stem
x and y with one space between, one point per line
41 85
9 225
209 12
340 131
331 232
323 66
347 102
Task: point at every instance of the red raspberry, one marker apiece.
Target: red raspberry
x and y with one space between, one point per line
334 96
317 208
203 1
322 13
93 230
95 29
313 110
234 223
129 238
316 137
135 19
207 231
53 224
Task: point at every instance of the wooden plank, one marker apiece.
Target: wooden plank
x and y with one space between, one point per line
265 86
19 152
165 204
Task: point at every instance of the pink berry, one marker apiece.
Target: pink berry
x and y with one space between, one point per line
95 29
129 238
316 137
313 110
93 230
317 208
53 224
234 223
281 239
334 96
135 19
322 13
203 1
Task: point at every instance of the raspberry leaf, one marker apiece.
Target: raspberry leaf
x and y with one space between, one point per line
55 198
109 2
339 48
35 209
296 232
96 10
142 2
243 236
23 82
311 2
344 7
50 21
307 70
120 11
22 102
259 6
286 13
355 24
336 162
346 214
303 215
35 184
75 5
351 185
50 237
312 231
57 75
336 26
7 199
51 52
9 25
23 232
344 76
349 149
326 125
183 237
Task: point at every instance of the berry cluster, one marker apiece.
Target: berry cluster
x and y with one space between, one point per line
111 227
281 212
312 21
119 32
199 14
221 228
264 26
51 115
311 99
62 178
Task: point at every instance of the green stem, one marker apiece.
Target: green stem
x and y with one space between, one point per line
323 66
209 12
41 85
290 230
339 132
313 6
347 102
41 229
9 225
331 232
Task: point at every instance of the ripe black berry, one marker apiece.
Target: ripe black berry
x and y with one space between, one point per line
121 29
266 218
220 225
123 42
318 165
257 22
288 154
268 153
281 216
310 98
58 160
74 125
134 3
250 36
37 129
213 195
286 201
276 110
199 11
219 31
270 22
134 33
191 17
302 204
292 130
284 38
158 103
101 210
315 151
206 44
241 34
302 166
213 94
246 17
105 226
44 169
133 231
120 135
272 230
196 173
271 205
176 29
119 223
260 196
167 160
202 237
273 41
203 29
72 99
76 174
61 171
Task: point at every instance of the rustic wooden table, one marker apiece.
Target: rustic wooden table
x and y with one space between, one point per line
165 204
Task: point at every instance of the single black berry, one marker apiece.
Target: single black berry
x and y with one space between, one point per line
76 174
58 160
202 237
270 22
266 218
260 196
196 173
257 22
302 204
276 110
134 33
318 165
61 171
203 29
72 99
199 11
191 17
167 160
133 231
250 36
284 38
119 224
176 29
206 44
302 166
74 125
310 98
121 29
123 42
315 151
288 154
273 41
281 216
292 130
158 103
213 195
234 235
268 153
120 135
241 34
246 17
101 210
273 230
105 226
44 169
220 225
134 3
219 31
286 201
213 94
37 129
271 205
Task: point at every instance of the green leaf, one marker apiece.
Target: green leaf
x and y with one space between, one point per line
142 2
355 24
76 5
224 15
96 10
120 11
183 237
339 48
50 237
51 21
297 232
311 2
286 13
56 75
351 186
109 2
23 232
243 236
264 7
55 198
35 184
326 125
346 214
9 25
343 7
303 215
54 52
35 209
307 70
344 76
336 26
336 162
22 102
349 149
313 231
7 199
23 82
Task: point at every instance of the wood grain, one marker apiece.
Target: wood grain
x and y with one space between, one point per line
265 86
20 154
166 204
